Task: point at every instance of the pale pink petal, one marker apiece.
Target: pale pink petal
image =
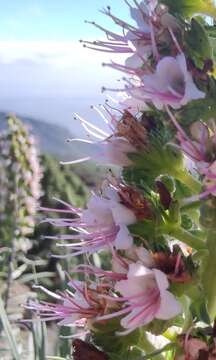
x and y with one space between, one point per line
128 322
139 280
169 306
138 270
161 280
123 239
121 214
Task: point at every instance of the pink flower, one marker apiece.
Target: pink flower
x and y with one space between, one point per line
171 84
200 149
145 298
152 27
132 104
195 148
101 225
106 147
77 305
134 39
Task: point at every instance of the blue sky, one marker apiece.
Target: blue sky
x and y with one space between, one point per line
52 20
44 70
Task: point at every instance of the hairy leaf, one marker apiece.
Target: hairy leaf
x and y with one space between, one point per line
187 8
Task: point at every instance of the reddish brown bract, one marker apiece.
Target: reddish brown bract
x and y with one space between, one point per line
85 351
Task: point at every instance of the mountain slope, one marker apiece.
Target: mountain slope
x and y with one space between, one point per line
51 138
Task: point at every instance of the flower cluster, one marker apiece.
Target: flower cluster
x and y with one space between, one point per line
20 181
155 219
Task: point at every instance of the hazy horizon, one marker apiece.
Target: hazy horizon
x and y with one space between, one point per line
59 111
44 71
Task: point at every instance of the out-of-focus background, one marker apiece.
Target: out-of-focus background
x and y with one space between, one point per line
44 71
45 76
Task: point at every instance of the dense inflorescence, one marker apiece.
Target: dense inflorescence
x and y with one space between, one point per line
20 175
154 213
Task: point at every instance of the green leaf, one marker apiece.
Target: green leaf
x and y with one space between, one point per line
197 110
198 45
142 228
187 8
8 332
199 311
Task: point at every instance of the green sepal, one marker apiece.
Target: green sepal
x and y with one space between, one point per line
156 161
174 216
116 347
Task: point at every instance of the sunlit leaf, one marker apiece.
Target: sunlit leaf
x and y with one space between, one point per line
188 8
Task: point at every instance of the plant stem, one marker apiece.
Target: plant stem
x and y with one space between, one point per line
10 273
185 237
209 274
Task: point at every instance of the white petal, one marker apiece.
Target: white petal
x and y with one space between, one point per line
168 71
181 60
130 287
145 257
134 61
127 288
139 279
138 269
140 321
114 152
161 280
133 105
121 214
97 212
137 15
123 239
191 91
169 306
111 194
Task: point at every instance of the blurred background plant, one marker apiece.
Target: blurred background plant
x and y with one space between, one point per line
29 178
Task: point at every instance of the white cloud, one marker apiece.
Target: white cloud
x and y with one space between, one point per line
64 54
51 80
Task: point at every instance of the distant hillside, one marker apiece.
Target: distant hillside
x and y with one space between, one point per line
51 138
